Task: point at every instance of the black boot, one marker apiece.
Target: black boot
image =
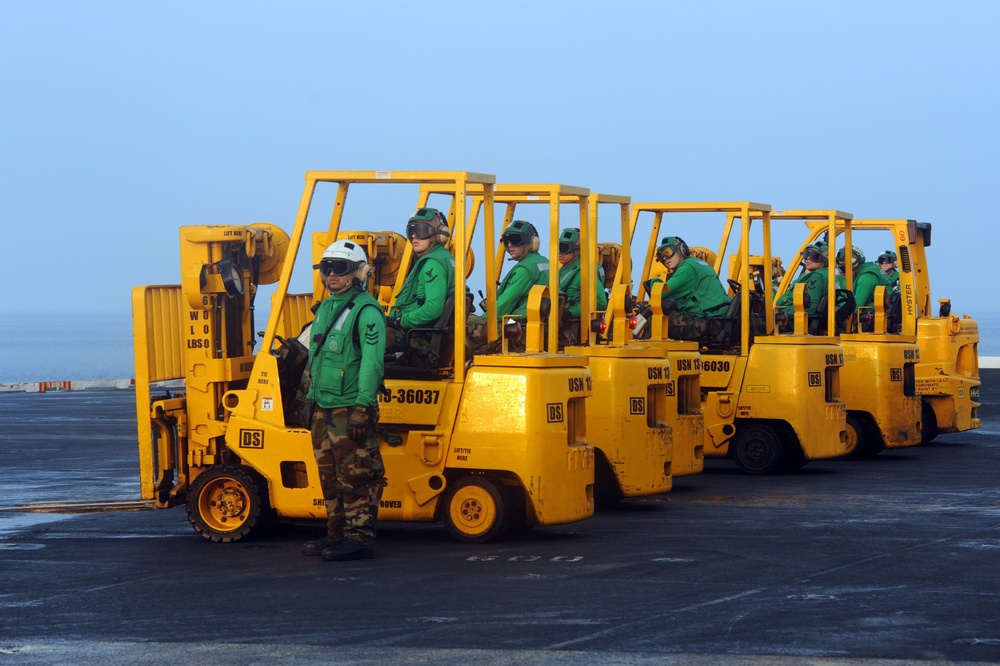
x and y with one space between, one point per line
349 550
317 547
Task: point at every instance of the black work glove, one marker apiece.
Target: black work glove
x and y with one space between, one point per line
357 423
395 322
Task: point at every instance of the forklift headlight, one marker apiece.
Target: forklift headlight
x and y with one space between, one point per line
232 277
223 275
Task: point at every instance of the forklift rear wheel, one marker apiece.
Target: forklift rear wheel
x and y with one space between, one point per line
225 503
475 511
758 449
857 440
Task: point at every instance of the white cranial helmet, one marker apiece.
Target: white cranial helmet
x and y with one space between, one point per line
344 257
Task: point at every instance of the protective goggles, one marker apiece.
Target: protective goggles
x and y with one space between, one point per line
812 254
420 230
566 248
665 254
336 266
515 238
885 260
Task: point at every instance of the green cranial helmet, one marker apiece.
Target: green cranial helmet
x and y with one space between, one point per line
859 256
569 240
887 257
427 223
669 245
518 232
817 252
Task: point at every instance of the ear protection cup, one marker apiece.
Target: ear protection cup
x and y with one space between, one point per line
683 248
536 242
362 272
442 237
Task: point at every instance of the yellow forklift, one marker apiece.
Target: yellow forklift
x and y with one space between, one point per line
684 390
877 381
771 401
634 393
947 374
486 445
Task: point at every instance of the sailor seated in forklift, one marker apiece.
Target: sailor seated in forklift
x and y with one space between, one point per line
520 238
431 280
521 241
696 293
887 266
814 258
867 276
569 284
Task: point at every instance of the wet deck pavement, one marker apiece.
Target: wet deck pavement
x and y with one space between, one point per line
890 559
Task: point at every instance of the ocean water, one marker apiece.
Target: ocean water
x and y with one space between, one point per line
54 347
989 333
51 347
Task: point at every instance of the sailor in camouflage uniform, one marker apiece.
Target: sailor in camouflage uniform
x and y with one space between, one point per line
345 371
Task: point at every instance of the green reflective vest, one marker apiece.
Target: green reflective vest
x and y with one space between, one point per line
420 301
512 294
346 370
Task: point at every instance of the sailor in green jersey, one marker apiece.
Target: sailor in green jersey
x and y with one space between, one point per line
345 370
815 258
692 283
431 279
569 274
693 288
522 243
867 276
887 265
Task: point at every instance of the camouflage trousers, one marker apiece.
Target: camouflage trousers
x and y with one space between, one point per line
475 331
351 475
686 326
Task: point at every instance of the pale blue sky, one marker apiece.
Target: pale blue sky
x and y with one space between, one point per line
121 121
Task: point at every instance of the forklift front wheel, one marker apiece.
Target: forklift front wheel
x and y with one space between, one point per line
856 444
225 503
864 441
928 423
475 511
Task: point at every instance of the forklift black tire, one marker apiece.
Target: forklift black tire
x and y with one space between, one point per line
607 492
758 449
859 440
476 510
226 503
928 423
